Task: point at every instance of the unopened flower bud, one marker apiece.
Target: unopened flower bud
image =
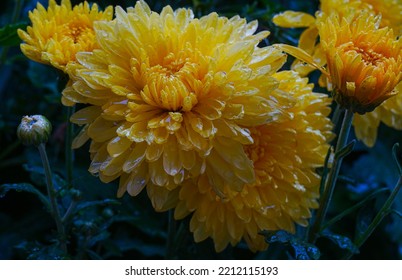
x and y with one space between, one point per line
34 130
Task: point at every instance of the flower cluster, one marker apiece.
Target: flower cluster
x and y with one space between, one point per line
194 111
359 44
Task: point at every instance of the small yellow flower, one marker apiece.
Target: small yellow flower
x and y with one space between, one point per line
389 112
285 155
364 62
59 32
390 11
171 95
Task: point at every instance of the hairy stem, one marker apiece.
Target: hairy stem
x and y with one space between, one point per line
52 196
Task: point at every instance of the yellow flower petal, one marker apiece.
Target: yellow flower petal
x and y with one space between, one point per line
293 19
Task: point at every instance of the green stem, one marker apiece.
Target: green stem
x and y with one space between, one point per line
353 208
171 236
69 211
332 177
385 209
337 114
52 196
69 151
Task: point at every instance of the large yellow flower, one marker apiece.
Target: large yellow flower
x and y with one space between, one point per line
364 61
59 32
170 95
285 155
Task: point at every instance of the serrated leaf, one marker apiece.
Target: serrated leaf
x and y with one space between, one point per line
9 36
24 187
302 249
300 252
343 242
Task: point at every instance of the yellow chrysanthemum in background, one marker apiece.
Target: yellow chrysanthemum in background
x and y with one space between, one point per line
364 62
388 112
59 32
285 155
390 11
170 96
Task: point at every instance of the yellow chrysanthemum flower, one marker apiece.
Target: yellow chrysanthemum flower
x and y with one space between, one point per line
364 62
170 95
388 112
285 155
390 11
59 32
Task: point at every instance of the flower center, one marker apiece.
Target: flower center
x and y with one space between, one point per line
168 85
76 30
369 56
172 65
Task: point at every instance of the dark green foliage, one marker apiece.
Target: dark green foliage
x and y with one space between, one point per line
24 187
342 242
9 36
302 250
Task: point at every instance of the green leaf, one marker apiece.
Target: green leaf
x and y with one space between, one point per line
280 236
354 207
37 251
24 187
343 242
58 182
302 249
305 251
9 36
103 202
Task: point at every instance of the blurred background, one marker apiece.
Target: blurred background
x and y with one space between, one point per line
105 227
